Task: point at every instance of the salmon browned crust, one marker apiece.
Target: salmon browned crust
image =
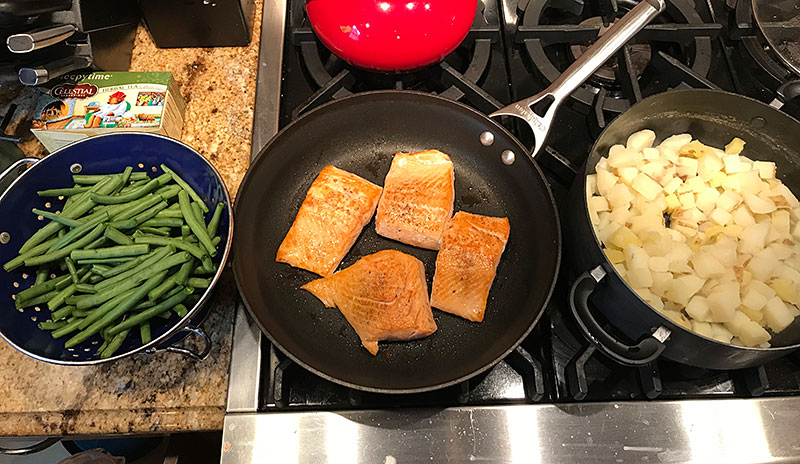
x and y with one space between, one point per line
417 199
337 207
383 296
467 263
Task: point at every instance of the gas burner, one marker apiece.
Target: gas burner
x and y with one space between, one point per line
675 52
459 76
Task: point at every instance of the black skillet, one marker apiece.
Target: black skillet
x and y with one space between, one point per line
493 176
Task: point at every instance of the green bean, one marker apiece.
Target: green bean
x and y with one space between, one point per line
126 266
149 313
198 228
55 302
126 198
58 192
34 251
99 269
163 287
95 314
120 251
37 300
114 344
213 224
208 265
41 289
95 244
57 218
56 255
106 292
185 230
163 222
196 282
180 310
126 174
215 241
70 327
185 186
155 230
175 242
117 237
84 179
139 218
144 305
62 313
183 273
73 273
85 288
41 276
52 325
177 290
95 278
78 209
198 212
77 232
101 348
144 333
148 263
168 191
82 312
201 270
114 261
118 310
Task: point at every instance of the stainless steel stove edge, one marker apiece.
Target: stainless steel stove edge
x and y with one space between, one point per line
704 431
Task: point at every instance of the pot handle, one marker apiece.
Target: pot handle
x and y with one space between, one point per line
644 352
16 164
188 352
31 449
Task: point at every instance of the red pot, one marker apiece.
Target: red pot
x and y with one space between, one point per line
391 35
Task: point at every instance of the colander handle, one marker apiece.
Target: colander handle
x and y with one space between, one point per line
15 165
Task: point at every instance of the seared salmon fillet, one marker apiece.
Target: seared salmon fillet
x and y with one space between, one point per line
383 296
467 262
337 207
417 199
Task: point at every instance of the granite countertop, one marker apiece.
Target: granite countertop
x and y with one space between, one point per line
163 392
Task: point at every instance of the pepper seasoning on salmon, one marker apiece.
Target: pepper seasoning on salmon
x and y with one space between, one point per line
336 208
383 296
467 263
417 199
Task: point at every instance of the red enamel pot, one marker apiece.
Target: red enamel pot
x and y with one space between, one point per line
391 35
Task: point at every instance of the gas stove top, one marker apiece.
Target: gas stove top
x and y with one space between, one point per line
555 378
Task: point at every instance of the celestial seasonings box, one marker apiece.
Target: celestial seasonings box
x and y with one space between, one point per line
80 105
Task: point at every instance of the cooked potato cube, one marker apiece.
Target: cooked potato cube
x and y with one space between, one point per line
620 268
620 157
626 174
591 185
639 277
708 165
785 290
706 265
762 288
736 325
605 180
754 238
765 169
783 190
743 217
753 300
781 221
620 215
598 204
755 316
702 328
661 282
614 256
723 301
650 153
762 265
729 200
777 315
619 196
687 200
638 141
646 186
686 167
735 146
796 232
706 200
659 264
698 309
678 318
757 204
720 216
623 237
696 149
753 334
731 164
721 334
604 234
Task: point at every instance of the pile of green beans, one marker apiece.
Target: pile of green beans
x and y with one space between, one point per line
125 249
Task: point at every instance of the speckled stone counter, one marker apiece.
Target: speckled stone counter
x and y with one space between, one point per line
163 392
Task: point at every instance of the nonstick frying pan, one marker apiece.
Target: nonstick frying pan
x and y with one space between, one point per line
493 176
361 134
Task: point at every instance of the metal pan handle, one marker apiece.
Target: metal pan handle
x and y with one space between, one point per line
644 352
548 101
9 171
199 356
31 449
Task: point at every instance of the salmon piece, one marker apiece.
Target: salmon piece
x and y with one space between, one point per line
467 263
337 207
417 199
383 296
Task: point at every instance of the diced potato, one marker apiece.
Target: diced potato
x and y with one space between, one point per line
603 164
661 282
695 184
785 290
717 179
753 334
762 288
750 182
627 174
639 277
591 185
686 167
604 234
720 216
753 300
755 316
619 157
686 231
696 149
650 153
708 165
754 238
777 315
721 334
796 232
651 298
729 200
623 237
676 141
737 323
687 200
781 251
783 190
678 318
619 196
614 256
733 230
598 204
765 169
743 217
723 251
731 164
636 257
620 268
659 264
735 146
605 180
620 215
706 265
723 300
646 186
781 221
641 140
670 189
698 309
762 265
706 200
757 204
702 328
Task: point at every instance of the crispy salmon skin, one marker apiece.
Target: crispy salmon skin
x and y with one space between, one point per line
336 208
417 199
383 296
467 262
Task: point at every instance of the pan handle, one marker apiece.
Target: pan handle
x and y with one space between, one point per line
188 352
644 352
789 91
14 166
